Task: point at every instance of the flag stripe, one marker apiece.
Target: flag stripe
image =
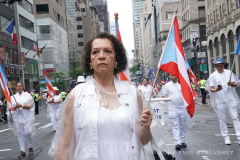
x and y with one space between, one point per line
49 86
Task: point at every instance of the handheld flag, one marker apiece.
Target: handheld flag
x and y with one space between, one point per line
191 74
41 50
49 86
150 72
4 81
173 62
238 46
12 30
124 75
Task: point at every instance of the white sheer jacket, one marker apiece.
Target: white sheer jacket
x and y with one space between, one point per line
77 132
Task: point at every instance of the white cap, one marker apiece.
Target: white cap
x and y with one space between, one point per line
55 88
81 79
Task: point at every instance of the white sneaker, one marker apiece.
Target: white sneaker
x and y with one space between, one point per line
227 142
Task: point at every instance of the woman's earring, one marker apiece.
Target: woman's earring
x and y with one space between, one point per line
90 65
116 65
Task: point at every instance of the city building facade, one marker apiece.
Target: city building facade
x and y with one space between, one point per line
223 30
137 10
26 31
9 52
51 28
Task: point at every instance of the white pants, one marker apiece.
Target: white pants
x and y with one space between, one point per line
25 130
231 106
54 117
178 119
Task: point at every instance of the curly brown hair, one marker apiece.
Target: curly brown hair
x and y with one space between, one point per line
119 49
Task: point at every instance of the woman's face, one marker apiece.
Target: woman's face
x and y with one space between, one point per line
103 56
19 88
145 82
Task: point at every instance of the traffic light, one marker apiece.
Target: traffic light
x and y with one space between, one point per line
83 74
139 67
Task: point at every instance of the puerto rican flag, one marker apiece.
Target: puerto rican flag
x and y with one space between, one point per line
12 30
173 62
4 81
49 86
124 75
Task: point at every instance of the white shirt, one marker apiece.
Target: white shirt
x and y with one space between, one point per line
226 93
146 91
56 99
21 115
173 91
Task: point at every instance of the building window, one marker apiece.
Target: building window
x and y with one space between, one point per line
211 48
26 5
216 45
80 44
26 43
25 23
42 8
223 43
169 15
58 17
45 29
79 27
80 35
231 41
82 9
79 18
201 12
202 30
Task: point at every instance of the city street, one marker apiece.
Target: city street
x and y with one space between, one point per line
203 139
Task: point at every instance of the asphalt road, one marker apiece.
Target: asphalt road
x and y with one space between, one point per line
203 139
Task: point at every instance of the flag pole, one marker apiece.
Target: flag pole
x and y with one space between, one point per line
30 49
157 72
11 92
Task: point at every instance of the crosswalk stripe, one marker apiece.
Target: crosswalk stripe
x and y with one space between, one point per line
2 150
205 158
46 126
4 130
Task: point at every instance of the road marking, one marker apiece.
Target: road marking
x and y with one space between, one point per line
46 126
37 124
228 134
205 158
197 131
2 150
4 130
170 144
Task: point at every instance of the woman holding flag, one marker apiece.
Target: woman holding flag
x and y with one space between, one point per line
104 118
23 116
54 104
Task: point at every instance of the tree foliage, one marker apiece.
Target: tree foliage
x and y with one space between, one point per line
134 69
78 68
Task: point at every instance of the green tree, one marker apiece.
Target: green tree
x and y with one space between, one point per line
58 78
133 69
78 68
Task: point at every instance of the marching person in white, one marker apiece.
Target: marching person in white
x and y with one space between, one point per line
146 89
23 119
54 105
224 97
177 111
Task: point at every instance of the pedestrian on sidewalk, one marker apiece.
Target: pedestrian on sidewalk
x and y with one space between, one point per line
223 97
176 111
23 119
54 104
202 84
102 119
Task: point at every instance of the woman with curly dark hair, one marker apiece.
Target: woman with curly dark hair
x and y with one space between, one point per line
103 119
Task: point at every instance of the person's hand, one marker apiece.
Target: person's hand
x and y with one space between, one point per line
154 96
218 89
146 118
18 105
230 84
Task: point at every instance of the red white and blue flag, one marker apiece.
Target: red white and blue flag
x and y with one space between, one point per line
49 86
4 81
238 45
173 62
12 30
191 74
124 75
